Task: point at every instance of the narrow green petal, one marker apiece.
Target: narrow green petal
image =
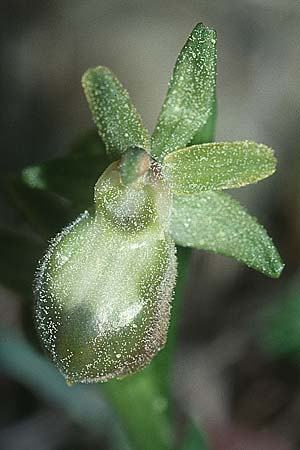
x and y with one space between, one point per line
216 222
191 94
218 165
116 118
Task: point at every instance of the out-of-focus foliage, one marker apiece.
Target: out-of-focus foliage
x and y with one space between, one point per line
280 335
71 177
19 256
28 367
194 439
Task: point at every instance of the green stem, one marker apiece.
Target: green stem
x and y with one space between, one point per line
142 410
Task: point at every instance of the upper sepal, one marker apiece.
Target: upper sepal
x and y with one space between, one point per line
191 94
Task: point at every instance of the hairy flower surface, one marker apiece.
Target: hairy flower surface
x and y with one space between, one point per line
104 288
105 285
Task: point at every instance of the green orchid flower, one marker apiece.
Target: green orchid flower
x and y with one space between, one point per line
104 288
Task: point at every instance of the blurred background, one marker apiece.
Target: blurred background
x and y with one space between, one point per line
237 370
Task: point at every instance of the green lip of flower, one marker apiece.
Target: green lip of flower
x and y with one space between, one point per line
104 288
87 281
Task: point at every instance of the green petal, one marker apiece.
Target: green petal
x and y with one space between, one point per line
191 94
216 222
218 165
116 118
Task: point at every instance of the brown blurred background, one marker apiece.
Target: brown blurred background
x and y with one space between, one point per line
245 399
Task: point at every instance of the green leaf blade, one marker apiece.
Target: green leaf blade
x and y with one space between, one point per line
214 221
191 94
116 118
218 165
